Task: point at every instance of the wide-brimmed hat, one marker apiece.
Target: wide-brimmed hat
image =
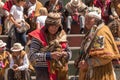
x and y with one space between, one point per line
17 47
94 12
2 44
75 3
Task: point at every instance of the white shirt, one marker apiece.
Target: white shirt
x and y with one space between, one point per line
41 20
17 12
31 8
25 63
1 9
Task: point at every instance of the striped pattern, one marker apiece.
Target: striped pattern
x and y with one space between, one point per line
35 53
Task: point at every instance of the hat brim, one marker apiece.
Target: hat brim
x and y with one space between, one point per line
75 5
15 50
4 44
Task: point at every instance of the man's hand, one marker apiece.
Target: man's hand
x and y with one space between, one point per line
83 65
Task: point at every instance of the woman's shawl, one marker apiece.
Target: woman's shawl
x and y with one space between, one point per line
40 35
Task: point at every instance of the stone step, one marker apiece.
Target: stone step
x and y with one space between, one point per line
74 40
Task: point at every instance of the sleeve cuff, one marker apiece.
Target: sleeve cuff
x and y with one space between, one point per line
48 56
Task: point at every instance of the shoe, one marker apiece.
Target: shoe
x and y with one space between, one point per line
68 31
82 31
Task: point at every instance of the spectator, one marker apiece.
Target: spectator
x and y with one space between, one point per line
115 9
7 6
32 8
57 6
100 49
76 10
1 16
40 21
5 57
19 63
45 55
17 18
104 5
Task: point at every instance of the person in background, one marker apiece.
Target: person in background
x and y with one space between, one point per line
17 18
40 21
115 9
56 6
104 5
100 49
5 58
49 52
32 8
75 10
7 23
1 16
19 63
88 2
52 5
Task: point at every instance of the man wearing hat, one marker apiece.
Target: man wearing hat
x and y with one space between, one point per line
76 10
5 57
100 49
19 63
43 60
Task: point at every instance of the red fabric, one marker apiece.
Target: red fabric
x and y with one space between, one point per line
39 34
63 44
99 4
7 6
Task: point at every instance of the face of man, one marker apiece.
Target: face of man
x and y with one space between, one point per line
89 22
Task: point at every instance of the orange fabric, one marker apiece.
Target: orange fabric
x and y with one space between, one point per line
110 48
37 9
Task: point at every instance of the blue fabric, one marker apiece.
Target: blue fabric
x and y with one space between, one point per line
21 37
48 56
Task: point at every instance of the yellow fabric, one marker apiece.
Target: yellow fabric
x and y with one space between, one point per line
100 60
37 9
110 48
103 72
5 62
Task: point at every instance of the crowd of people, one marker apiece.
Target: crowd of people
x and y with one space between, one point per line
48 49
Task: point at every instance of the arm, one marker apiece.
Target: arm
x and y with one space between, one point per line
41 57
11 62
38 23
96 61
35 51
25 63
69 52
11 17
